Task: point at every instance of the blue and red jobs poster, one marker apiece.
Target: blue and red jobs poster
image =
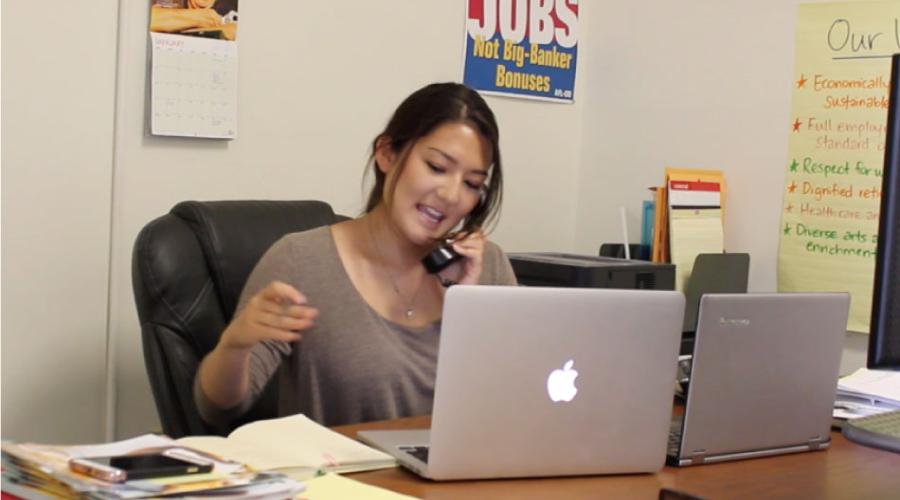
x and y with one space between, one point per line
522 48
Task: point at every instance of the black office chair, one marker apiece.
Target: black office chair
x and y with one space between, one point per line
188 269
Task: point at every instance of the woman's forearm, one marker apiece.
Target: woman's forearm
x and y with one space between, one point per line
225 375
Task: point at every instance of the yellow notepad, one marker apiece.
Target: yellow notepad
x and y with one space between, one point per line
695 201
334 487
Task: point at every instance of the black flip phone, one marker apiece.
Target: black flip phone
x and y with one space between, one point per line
438 259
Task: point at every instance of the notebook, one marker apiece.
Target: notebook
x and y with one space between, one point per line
539 381
765 368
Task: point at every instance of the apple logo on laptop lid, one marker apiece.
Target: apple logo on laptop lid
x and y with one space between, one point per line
561 383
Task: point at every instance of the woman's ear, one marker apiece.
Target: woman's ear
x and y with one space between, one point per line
385 156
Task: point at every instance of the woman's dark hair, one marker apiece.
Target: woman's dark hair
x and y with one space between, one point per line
421 113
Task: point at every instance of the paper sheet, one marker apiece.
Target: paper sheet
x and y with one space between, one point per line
881 385
124 447
693 232
333 487
832 183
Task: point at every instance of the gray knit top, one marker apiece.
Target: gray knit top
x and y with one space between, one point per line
354 365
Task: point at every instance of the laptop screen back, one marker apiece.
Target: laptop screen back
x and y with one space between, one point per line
538 381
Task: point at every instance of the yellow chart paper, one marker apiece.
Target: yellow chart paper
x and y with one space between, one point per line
832 184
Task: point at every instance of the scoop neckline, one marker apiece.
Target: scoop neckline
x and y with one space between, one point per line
346 277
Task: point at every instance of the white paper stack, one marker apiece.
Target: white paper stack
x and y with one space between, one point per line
867 392
42 471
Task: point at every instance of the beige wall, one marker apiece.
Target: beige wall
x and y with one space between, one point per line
57 146
703 84
658 84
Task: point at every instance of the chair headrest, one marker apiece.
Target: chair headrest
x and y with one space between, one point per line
234 235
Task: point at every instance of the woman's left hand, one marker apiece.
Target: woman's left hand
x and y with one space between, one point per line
468 270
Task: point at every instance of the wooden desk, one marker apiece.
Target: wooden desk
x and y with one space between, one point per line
845 470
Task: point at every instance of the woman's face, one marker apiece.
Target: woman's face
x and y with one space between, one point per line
440 183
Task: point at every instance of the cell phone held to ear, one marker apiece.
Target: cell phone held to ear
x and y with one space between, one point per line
438 259
117 469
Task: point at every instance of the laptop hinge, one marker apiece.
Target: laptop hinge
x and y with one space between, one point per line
814 443
698 457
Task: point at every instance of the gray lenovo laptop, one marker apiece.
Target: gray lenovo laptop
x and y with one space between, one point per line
764 374
536 381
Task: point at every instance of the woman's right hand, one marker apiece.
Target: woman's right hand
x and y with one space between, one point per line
277 312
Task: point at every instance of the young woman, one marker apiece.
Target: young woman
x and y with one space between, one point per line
348 314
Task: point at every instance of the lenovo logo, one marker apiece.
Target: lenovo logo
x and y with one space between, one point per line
734 322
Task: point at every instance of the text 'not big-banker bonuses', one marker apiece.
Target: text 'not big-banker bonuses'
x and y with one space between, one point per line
524 47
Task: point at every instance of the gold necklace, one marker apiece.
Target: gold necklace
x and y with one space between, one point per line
409 310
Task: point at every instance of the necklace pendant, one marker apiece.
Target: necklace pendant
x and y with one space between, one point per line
409 313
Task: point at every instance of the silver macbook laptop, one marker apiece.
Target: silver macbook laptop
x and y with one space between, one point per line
538 381
763 379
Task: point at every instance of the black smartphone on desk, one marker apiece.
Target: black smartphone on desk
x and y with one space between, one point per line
116 469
